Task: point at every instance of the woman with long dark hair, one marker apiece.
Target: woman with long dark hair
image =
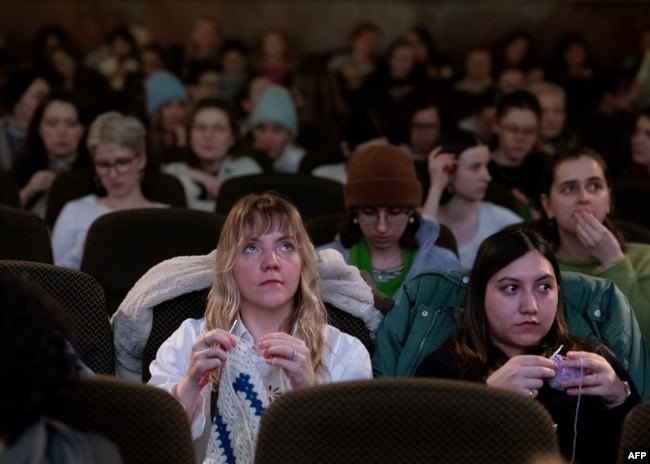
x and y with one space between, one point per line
512 335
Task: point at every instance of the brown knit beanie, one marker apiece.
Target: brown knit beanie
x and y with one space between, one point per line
382 176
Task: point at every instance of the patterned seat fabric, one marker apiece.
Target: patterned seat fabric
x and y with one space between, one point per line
123 245
148 425
83 300
404 420
313 196
635 432
24 236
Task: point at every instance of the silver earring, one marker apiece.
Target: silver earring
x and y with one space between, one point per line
411 220
355 221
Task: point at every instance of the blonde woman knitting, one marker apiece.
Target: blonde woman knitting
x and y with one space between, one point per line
264 333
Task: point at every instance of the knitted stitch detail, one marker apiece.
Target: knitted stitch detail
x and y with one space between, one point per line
240 405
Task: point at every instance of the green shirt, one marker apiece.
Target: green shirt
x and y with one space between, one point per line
360 257
631 275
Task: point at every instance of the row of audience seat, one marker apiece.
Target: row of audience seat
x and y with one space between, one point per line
133 241
469 422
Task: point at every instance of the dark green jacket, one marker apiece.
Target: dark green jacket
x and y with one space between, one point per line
426 313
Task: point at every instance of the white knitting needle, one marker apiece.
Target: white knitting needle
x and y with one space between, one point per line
203 381
557 351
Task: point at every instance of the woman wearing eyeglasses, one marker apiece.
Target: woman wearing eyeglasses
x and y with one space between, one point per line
117 147
382 232
515 162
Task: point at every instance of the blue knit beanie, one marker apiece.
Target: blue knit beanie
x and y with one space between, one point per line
275 105
161 87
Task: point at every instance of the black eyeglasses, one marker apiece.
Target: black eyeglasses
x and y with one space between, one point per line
392 216
121 165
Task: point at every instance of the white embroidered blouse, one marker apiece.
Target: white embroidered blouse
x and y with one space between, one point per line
344 356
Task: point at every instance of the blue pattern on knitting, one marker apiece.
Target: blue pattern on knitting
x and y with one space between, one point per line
241 384
224 438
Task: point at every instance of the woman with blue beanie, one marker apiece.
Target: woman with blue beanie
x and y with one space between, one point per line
166 102
274 128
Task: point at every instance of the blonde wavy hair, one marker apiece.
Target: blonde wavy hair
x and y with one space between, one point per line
252 216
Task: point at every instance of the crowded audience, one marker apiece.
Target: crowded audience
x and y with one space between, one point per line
438 159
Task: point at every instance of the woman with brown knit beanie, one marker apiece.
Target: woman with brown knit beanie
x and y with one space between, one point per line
383 233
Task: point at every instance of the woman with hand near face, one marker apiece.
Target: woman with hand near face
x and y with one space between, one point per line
577 201
213 132
21 95
509 329
459 180
265 328
53 146
117 147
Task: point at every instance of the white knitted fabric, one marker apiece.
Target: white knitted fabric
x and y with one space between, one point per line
242 400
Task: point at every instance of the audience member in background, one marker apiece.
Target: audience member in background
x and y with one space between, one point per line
427 55
518 51
203 82
254 90
637 64
274 128
554 135
153 57
397 76
21 95
482 119
510 79
425 117
276 57
166 100
66 72
574 69
47 39
383 233
577 201
235 70
117 147
477 77
459 180
321 109
204 44
639 166
213 132
53 146
515 162
607 128
36 367
264 324
511 325
359 131
121 60
354 66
